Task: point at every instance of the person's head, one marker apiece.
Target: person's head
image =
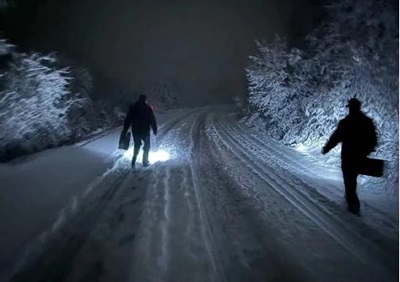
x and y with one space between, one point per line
142 98
354 105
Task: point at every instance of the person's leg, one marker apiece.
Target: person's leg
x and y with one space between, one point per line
350 184
146 149
137 143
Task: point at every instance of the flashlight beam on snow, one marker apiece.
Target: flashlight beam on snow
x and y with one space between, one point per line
154 156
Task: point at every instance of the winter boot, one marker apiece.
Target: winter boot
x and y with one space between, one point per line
354 208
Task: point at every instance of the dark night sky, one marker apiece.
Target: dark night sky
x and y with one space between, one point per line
200 46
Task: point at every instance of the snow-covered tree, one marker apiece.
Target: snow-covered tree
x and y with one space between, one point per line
360 43
275 86
81 113
300 95
31 112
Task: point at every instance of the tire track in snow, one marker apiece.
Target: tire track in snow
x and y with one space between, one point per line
51 261
205 225
249 247
156 225
166 222
302 202
239 129
172 220
168 125
279 185
269 201
185 187
308 190
160 239
371 218
105 251
75 222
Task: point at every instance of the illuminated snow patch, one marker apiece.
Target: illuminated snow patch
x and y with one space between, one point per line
301 148
159 156
154 156
312 146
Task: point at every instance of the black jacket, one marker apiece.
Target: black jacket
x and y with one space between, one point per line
140 117
357 134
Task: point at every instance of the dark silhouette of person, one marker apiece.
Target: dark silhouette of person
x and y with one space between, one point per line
357 134
140 118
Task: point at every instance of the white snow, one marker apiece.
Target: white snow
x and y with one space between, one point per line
220 202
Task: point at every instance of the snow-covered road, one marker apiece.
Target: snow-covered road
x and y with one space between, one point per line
228 205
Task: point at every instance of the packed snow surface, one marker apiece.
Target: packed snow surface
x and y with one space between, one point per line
220 202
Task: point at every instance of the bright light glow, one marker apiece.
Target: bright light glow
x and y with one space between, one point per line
301 148
154 156
311 147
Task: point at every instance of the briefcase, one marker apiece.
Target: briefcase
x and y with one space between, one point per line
124 141
371 167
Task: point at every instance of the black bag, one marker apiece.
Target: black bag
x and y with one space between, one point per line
371 167
124 141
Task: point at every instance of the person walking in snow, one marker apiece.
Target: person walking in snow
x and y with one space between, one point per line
140 118
357 134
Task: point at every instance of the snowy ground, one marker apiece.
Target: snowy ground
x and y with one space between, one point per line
220 203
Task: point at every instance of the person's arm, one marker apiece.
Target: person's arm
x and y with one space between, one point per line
153 122
128 120
335 138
